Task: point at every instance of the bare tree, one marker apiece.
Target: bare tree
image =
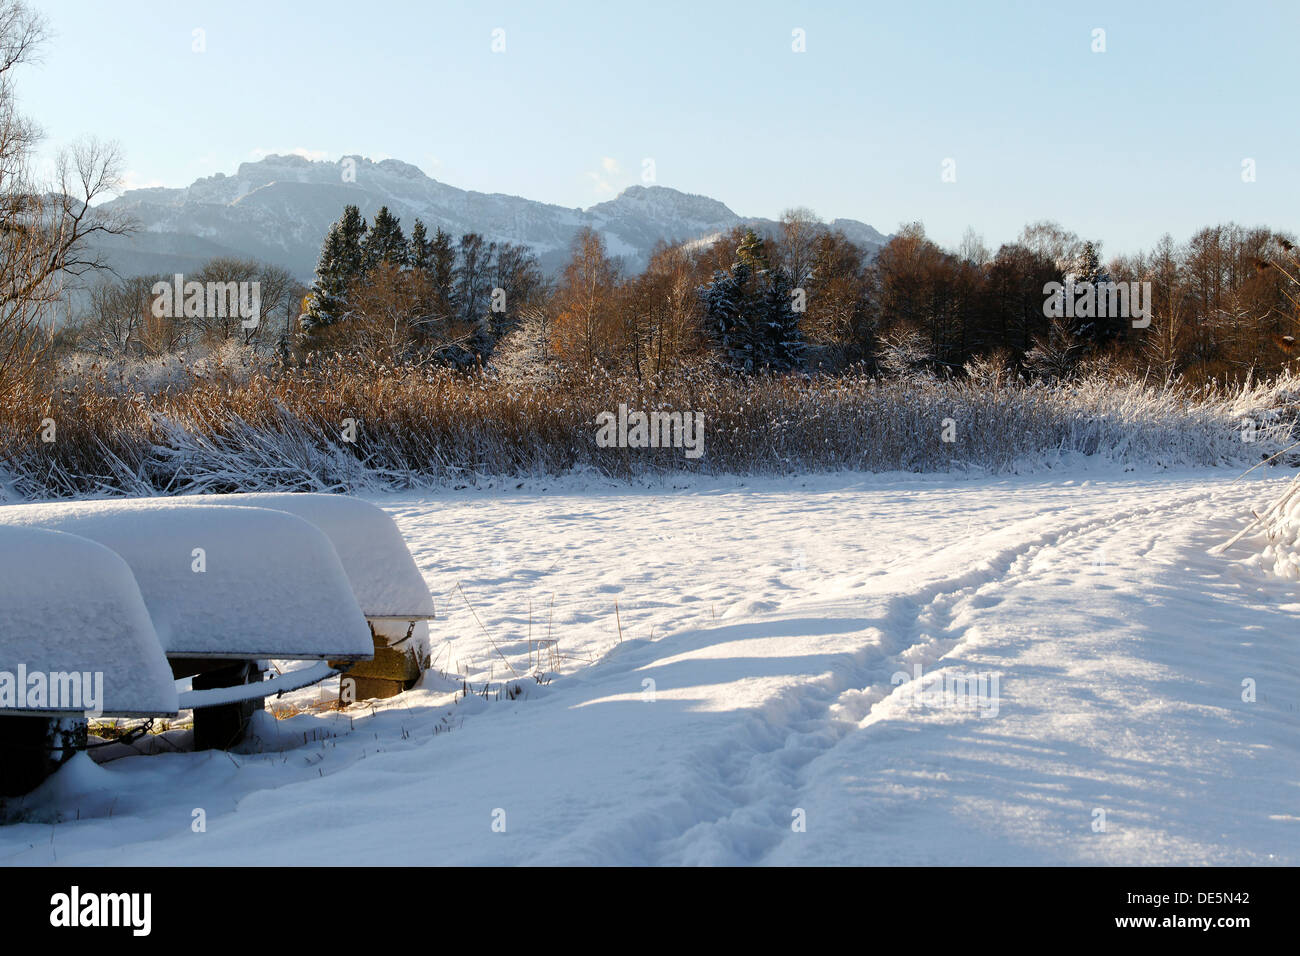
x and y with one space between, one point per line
584 327
43 231
390 324
1050 240
119 320
275 284
800 230
972 250
1164 343
904 353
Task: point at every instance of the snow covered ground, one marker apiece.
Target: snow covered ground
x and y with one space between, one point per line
727 686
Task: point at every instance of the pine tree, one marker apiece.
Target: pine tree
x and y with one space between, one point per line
352 233
442 258
1096 330
781 344
419 252
721 301
749 311
751 274
1087 267
384 243
752 252
327 302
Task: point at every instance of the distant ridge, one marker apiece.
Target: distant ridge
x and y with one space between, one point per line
278 209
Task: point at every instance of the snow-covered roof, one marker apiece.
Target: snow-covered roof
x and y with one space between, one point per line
227 582
69 605
384 576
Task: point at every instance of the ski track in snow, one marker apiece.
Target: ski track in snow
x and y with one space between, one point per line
780 613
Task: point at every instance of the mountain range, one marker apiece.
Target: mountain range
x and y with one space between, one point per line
279 208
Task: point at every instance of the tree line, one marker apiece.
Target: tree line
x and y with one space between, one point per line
417 299
803 298
120 317
799 299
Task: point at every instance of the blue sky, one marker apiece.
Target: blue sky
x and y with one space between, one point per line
1120 146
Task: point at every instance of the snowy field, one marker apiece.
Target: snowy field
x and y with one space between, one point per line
724 685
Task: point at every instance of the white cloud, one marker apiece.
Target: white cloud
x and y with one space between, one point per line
600 185
604 182
133 180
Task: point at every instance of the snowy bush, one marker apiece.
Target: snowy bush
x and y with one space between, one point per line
250 426
1282 531
229 358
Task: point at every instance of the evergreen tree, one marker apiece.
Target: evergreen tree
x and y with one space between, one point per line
1097 330
384 242
420 252
327 302
780 345
442 257
1087 267
352 232
749 311
752 252
721 301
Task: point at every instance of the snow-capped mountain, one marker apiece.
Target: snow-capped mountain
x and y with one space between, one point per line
279 208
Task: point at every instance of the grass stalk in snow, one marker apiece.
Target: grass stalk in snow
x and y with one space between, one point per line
269 429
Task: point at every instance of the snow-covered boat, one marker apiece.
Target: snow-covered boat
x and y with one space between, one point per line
214 586
75 639
225 589
384 578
